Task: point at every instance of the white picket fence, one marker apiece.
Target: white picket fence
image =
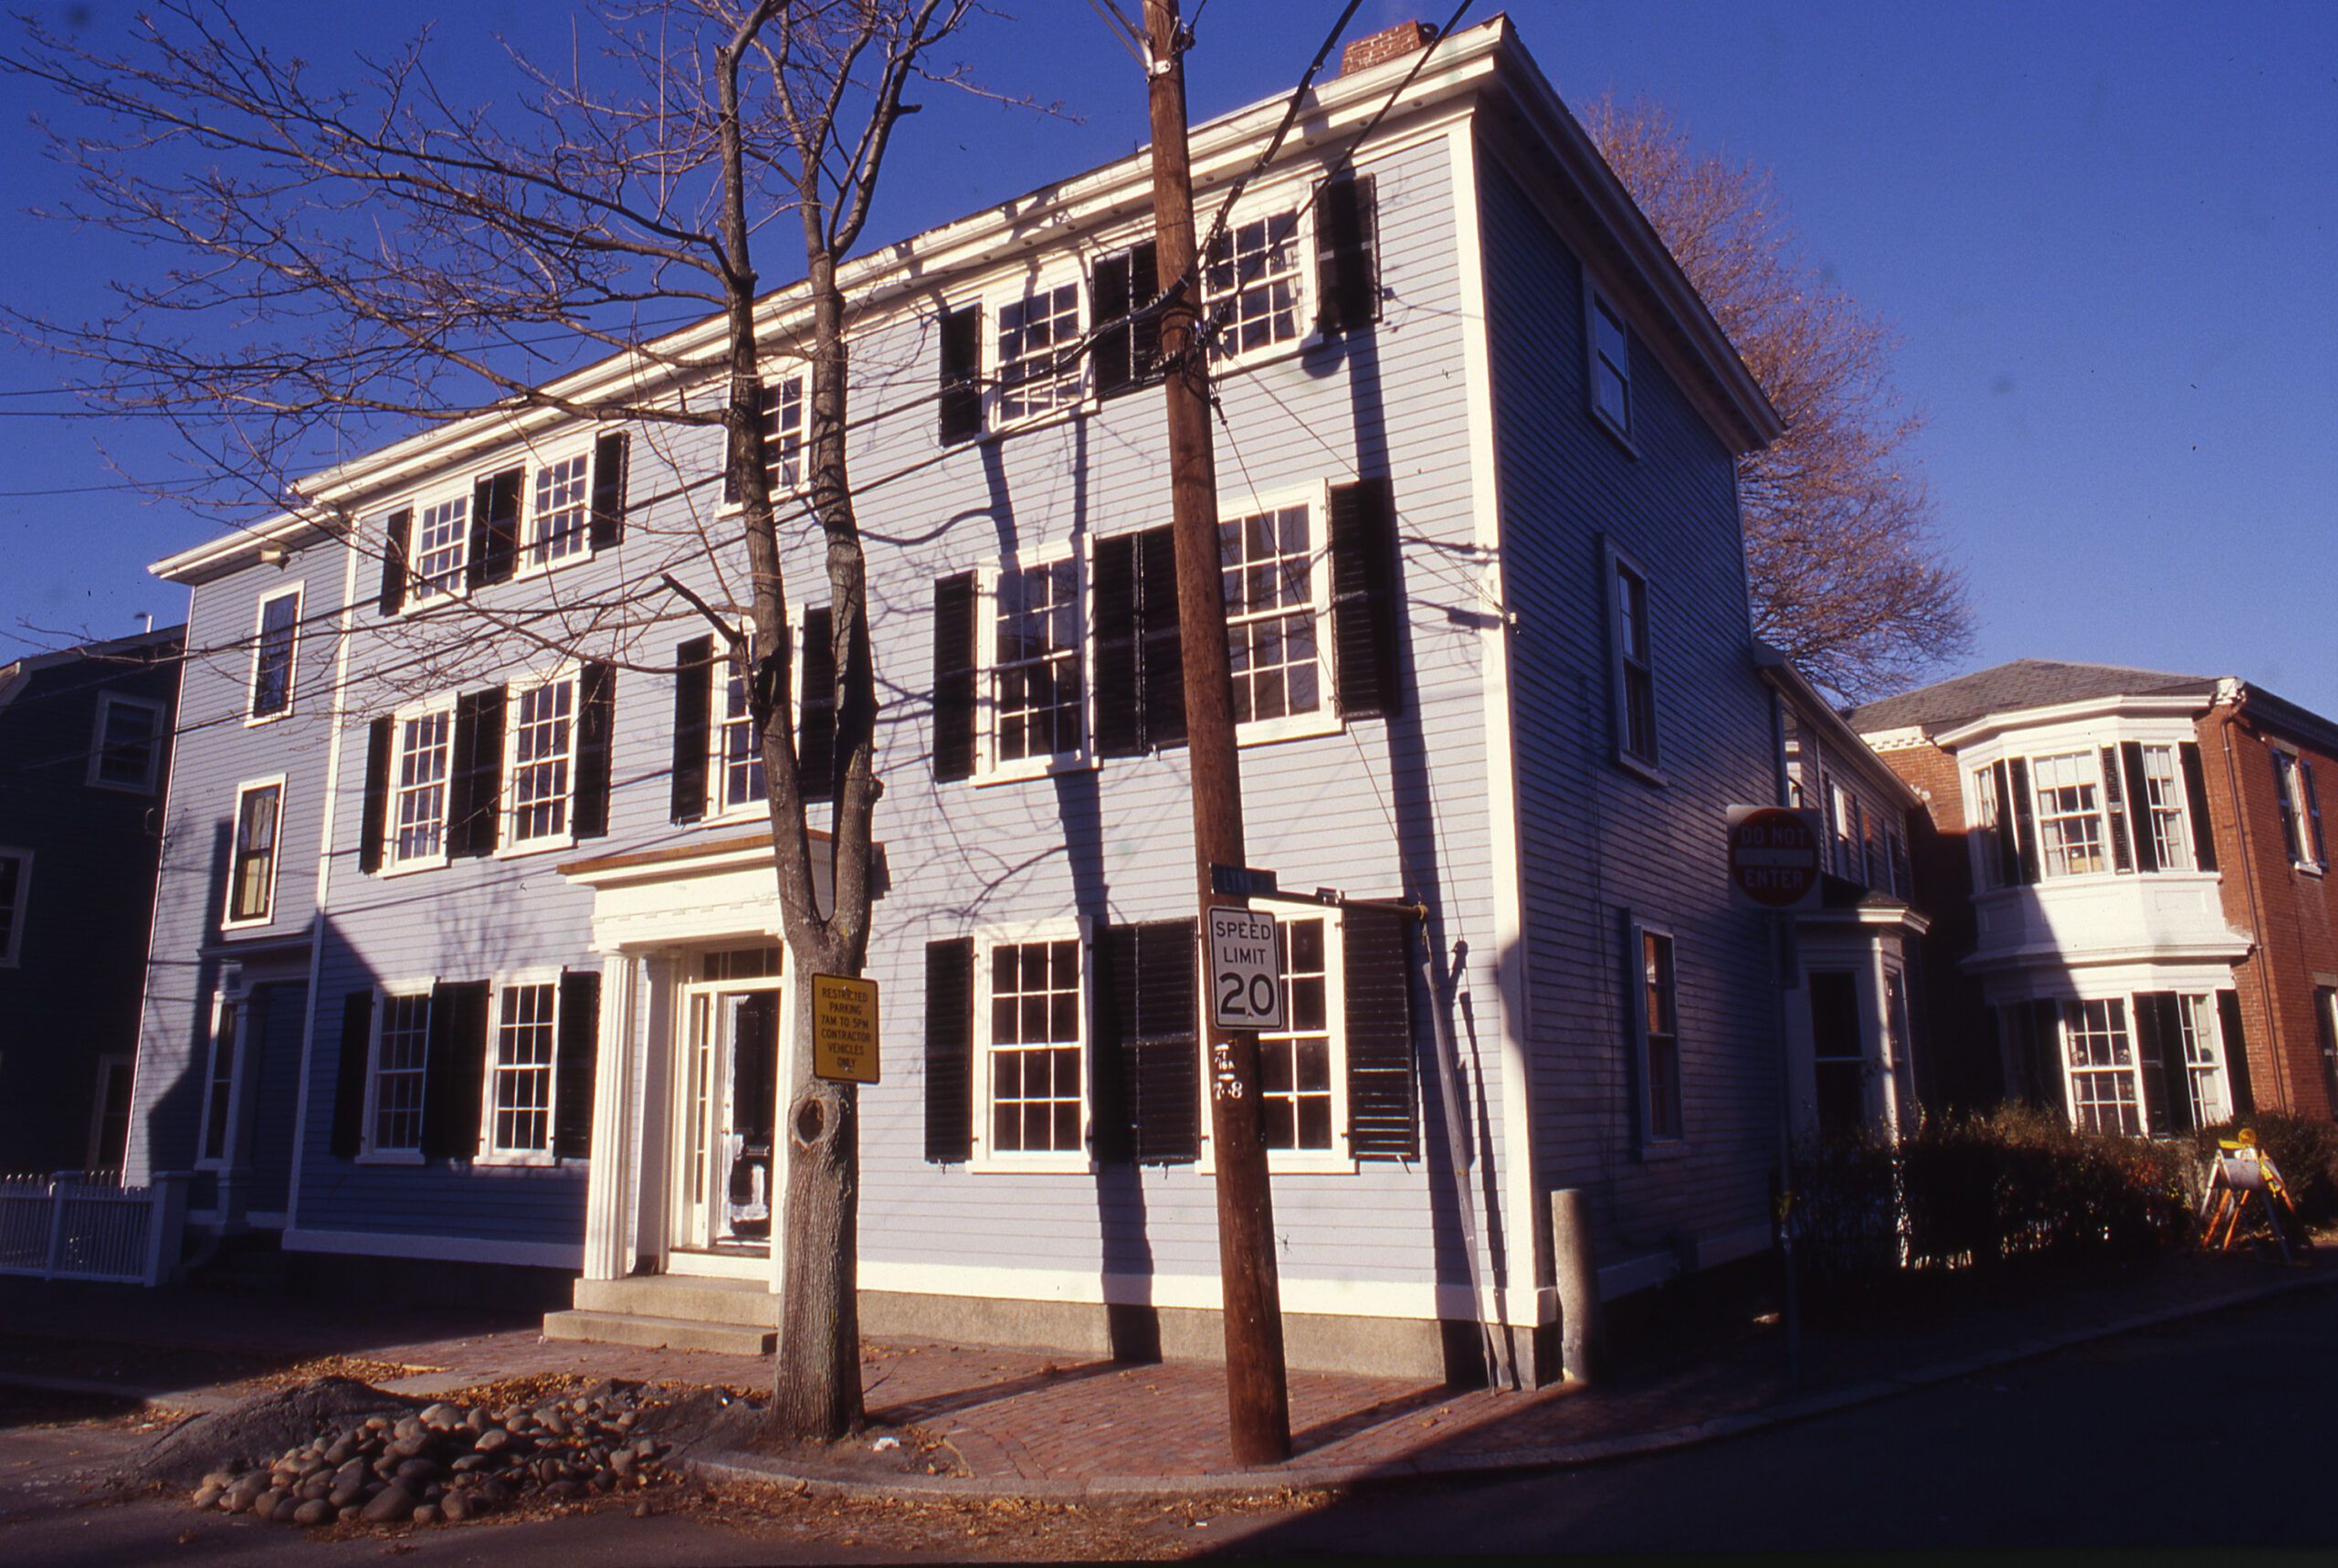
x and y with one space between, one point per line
84 1225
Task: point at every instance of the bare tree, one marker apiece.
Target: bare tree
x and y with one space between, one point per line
1849 579
353 262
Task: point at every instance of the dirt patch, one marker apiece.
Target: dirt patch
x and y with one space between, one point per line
357 1369
260 1425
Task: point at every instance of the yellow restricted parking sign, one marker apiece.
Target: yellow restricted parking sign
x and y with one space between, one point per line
843 1029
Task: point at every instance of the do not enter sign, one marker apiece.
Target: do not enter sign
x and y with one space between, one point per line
1773 856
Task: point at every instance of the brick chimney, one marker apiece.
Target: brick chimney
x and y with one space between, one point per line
1405 39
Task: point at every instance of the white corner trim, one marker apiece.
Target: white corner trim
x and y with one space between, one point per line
437 1248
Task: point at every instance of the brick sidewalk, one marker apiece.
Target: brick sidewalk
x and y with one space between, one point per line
1016 1416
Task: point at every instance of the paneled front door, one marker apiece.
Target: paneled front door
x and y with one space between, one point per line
729 1111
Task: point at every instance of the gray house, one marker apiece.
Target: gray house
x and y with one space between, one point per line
1489 607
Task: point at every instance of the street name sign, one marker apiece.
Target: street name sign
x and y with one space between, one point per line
843 1029
1773 856
1245 978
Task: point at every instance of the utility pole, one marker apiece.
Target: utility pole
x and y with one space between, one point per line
1257 1396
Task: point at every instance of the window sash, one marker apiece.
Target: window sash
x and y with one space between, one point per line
739 779
1635 672
1251 285
1037 694
219 1084
542 752
1985 809
2098 1056
1300 1068
2165 809
252 869
1611 365
1272 579
1035 376
419 784
2204 1068
401 1066
272 655
560 522
1659 1037
1034 1068
128 740
2068 792
520 1088
441 549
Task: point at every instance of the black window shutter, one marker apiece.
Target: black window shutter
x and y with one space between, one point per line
2114 801
575 1056
1161 675
2008 842
2313 813
693 711
455 1069
2236 1049
953 677
962 396
1109 350
2138 799
1147 1067
1145 292
2159 1053
1110 1089
373 821
397 537
2053 1085
475 562
2025 818
816 736
1383 1121
1120 718
2196 799
611 454
1363 599
349 1088
495 528
596 702
1347 274
949 1050
475 775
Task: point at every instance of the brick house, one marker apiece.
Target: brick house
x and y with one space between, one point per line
2152 942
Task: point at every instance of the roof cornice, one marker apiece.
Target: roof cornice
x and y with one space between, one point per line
1990 724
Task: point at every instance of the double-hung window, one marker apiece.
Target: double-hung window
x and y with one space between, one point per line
1274 580
251 868
1252 285
219 1081
1609 364
520 1076
15 891
2102 1066
559 522
781 422
739 781
401 1056
1037 706
1655 1014
274 645
127 751
441 549
419 785
1036 372
2204 1071
1299 1086
2300 802
1633 676
542 752
2162 810
2069 814
1033 1106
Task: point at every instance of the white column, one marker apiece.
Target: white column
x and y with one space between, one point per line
608 1228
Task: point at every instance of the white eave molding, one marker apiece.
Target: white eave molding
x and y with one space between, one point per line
1993 724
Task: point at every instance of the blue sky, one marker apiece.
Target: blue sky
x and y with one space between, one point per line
2104 233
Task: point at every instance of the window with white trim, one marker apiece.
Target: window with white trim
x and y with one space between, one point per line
2069 816
219 1082
739 779
520 1085
251 864
2164 807
560 520
1986 810
1275 581
541 755
2100 1061
1300 1083
1610 363
1033 653
441 549
1634 673
15 892
401 1056
127 751
2204 1068
1035 373
1034 1045
1656 1013
275 643
781 417
2300 802
1252 285
425 741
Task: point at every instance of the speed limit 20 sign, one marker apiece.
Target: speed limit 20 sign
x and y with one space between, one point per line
1245 982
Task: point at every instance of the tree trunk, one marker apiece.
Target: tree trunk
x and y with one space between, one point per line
816 1392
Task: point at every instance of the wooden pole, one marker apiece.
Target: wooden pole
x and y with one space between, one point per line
1257 1400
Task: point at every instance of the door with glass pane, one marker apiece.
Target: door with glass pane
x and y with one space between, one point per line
730 1114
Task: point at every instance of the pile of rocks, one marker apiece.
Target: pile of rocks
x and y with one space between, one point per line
449 1462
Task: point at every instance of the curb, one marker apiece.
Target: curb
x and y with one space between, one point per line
741 1467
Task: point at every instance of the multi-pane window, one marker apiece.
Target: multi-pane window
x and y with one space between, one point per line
2203 1065
130 743
1986 810
1295 1066
419 819
2103 1096
1035 1040
441 538
1035 664
781 420
399 1061
1635 664
563 498
2300 804
544 737
1250 286
2070 819
1611 367
251 870
521 1120
272 654
1267 570
16 885
739 756
2163 809
219 1085
1660 1036
1036 374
